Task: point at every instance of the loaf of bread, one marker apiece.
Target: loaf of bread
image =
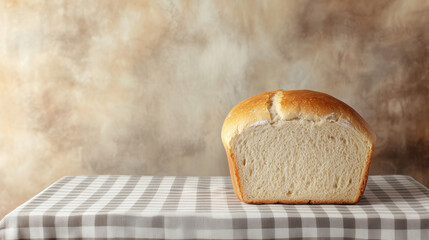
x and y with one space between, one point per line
297 147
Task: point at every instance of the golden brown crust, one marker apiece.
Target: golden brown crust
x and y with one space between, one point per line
249 111
235 177
365 174
294 104
313 105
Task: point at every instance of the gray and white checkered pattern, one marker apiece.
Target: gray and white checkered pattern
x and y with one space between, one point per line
145 207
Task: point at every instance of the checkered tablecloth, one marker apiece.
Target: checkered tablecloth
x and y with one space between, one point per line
145 207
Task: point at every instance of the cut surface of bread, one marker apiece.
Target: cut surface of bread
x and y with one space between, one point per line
297 146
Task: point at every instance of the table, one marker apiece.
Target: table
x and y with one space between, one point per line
155 207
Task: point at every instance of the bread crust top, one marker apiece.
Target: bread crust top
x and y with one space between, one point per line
292 105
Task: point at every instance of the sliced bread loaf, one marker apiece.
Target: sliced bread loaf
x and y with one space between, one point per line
297 146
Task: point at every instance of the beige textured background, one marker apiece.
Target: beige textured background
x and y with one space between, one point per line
141 87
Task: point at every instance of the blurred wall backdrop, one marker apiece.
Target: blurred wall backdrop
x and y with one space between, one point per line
143 87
